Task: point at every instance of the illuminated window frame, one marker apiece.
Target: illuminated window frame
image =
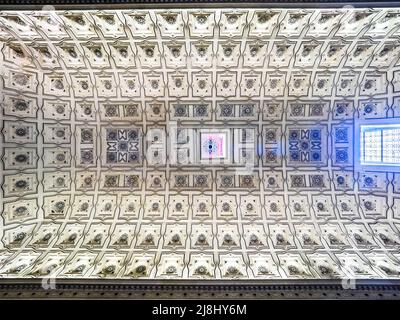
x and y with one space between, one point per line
377 145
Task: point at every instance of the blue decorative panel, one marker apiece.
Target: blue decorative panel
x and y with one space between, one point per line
306 146
342 145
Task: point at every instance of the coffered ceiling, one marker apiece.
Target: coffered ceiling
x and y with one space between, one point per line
196 144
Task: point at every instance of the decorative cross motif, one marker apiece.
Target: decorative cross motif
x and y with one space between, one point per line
122 145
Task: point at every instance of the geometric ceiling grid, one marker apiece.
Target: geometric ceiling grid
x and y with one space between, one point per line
196 144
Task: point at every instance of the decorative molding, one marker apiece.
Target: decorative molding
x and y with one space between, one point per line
112 289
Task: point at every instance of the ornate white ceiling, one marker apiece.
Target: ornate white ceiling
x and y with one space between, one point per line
103 173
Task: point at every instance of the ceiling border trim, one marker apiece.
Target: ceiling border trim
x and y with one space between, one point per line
168 289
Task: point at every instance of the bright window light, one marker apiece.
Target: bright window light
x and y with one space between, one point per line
380 145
